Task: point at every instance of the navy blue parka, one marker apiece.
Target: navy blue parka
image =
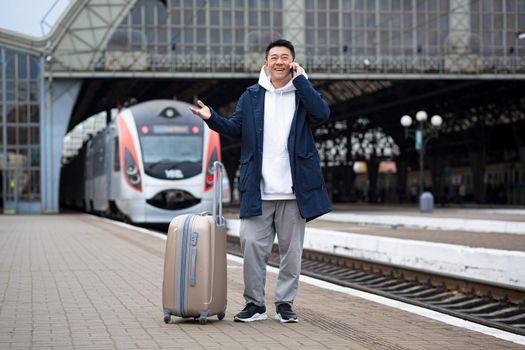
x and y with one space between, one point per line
247 124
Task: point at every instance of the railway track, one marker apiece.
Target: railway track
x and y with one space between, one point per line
491 305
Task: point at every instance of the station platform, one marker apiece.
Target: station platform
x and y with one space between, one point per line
479 243
480 227
76 281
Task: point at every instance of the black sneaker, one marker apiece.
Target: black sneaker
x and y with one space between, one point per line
285 313
251 313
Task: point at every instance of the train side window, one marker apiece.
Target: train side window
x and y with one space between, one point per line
116 156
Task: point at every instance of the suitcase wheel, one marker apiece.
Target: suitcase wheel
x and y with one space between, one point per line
221 315
167 317
202 320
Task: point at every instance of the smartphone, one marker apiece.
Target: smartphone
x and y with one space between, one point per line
293 72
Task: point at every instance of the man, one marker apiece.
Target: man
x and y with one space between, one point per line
281 185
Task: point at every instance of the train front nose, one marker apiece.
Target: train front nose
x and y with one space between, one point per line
173 199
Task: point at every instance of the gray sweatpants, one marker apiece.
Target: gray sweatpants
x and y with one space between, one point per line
257 236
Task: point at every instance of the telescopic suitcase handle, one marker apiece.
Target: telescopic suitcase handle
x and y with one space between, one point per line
218 169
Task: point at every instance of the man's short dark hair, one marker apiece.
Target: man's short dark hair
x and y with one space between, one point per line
280 42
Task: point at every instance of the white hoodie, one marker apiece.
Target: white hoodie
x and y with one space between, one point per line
279 109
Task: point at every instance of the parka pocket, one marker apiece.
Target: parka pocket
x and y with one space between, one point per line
308 172
244 172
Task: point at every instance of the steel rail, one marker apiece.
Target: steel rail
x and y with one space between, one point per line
493 305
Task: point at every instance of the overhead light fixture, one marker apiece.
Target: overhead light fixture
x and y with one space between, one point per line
421 116
436 121
521 34
406 121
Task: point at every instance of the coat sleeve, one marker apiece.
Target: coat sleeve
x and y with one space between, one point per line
230 127
317 109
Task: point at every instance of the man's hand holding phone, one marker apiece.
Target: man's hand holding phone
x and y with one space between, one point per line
295 70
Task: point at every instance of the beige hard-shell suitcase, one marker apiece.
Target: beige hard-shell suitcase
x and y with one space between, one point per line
194 282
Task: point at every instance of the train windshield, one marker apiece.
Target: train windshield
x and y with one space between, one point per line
172 157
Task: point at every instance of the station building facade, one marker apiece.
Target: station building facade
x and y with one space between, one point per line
41 78
20 131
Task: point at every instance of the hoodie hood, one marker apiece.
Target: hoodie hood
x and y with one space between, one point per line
264 81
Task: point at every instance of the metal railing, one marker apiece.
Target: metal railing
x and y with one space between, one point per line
140 61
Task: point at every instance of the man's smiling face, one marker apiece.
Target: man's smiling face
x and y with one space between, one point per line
278 64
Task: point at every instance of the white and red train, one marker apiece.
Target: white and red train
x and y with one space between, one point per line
149 164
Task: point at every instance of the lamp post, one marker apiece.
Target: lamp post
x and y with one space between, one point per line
421 135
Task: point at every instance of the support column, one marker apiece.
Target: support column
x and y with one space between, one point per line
294 27
477 161
401 184
521 194
460 56
373 174
59 97
437 175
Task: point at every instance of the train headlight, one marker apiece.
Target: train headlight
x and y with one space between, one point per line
134 179
132 175
209 170
209 179
169 112
131 170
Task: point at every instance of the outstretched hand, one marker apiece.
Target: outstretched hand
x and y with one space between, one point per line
203 112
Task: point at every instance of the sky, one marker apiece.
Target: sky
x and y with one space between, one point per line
24 16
